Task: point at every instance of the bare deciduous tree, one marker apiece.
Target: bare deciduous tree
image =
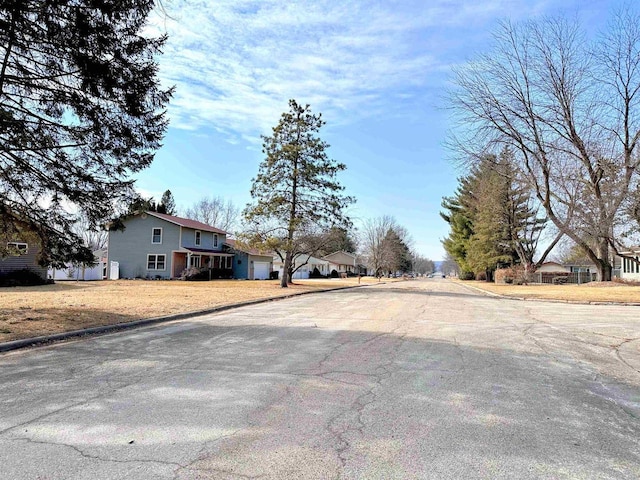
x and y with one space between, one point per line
215 211
569 111
95 238
383 242
372 236
422 264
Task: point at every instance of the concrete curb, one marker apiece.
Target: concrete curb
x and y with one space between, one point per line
46 339
547 300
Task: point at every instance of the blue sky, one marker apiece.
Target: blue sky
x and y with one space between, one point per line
378 72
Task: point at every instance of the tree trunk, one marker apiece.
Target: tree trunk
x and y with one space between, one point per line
604 270
286 275
603 264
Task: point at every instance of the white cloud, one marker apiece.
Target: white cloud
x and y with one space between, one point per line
235 63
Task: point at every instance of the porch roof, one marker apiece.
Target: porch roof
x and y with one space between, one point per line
206 251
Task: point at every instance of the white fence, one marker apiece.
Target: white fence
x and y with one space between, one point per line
77 273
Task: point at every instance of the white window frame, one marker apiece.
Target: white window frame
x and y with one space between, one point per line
197 238
229 262
215 239
153 235
195 261
156 262
21 247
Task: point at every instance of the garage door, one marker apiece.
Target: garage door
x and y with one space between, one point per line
302 272
260 270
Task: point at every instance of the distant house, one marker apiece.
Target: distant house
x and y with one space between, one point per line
630 270
23 255
362 268
157 245
304 266
250 264
342 262
584 268
80 272
552 267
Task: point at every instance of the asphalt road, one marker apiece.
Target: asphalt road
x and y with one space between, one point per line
420 379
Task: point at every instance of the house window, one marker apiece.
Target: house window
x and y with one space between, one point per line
156 262
195 261
156 235
215 240
17 248
229 262
198 238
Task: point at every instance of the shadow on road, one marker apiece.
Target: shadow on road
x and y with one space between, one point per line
294 400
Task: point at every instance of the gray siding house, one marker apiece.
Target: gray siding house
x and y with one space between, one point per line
156 245
24 256
250 264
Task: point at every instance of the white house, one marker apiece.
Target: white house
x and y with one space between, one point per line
342 262
304 265
630 270
552 267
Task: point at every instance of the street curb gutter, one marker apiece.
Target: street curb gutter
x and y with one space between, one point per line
46 339
548 300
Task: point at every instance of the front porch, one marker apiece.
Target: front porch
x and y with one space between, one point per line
202 263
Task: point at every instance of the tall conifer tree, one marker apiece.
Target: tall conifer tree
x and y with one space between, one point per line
296 191
81 109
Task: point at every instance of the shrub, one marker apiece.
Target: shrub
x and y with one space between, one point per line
196 274
316 273
467 276
22 278
274 275
511 275
481 276
335 274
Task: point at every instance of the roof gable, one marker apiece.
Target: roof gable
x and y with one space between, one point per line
341 257
187 223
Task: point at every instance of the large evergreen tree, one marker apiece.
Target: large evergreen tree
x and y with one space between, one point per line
296 192
396 256
459 213
80 111
492 219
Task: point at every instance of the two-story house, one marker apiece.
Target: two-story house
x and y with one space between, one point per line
156 245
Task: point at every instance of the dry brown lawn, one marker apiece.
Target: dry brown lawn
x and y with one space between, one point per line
27 312
589 292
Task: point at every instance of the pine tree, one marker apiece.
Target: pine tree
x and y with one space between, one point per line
296 192
167 204
491 218
80 111
460 219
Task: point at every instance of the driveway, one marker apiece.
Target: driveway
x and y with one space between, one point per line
420 379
